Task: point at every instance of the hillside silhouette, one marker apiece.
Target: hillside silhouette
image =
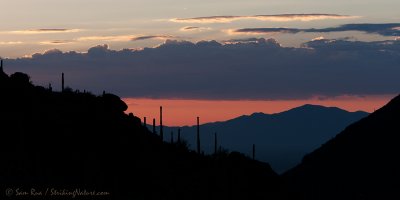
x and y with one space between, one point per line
362 162
282 139
73 139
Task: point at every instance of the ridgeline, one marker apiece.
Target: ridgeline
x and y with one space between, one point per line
71 139
361 162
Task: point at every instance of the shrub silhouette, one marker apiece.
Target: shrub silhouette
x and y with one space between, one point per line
20 79
113 102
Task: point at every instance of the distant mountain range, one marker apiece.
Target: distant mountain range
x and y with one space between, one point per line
281 139
361 162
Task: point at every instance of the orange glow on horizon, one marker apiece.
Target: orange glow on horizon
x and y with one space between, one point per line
184 112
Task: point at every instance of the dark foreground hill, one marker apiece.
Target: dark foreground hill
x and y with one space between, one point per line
281 139
71 140
362 162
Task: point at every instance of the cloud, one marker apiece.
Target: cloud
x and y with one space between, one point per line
44 31
115 38
259 31
194 28
11 43
391 29
186 28
52 52
147 37
322 38
274 18
56 42
124 38
242 41
254 68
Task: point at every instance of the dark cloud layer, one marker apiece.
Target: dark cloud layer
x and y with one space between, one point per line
392 29
255 69
269 30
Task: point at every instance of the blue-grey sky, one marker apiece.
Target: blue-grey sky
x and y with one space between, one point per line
35 26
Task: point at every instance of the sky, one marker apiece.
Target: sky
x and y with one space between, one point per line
83 24
184 112
252 51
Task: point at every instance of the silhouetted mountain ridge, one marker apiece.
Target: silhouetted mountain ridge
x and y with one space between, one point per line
359 163
282 139
70 139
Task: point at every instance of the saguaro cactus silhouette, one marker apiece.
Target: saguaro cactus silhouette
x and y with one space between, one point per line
154 125
198 135
215 143
144 122
2 74
179 135
62 82
254 151
161 126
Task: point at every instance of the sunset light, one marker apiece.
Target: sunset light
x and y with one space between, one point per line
200 100
184 112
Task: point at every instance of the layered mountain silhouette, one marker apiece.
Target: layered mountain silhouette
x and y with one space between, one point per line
362 162
71 139
281 139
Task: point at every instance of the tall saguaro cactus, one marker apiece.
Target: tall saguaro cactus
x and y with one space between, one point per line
215 144
62 82
161 126
179 135
154 125
144 122
198 135
254 151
